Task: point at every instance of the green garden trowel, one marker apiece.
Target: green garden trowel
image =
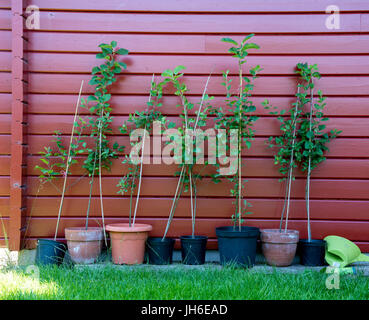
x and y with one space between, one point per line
341 252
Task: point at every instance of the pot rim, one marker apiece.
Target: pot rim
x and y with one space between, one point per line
230 232
56 243
83 229
83 234
196 238
313 242
277 230
276 237
125 228
158 240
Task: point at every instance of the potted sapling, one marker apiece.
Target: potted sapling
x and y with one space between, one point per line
56 163
128 239
85 243
279 245
237 243
313 139
193 247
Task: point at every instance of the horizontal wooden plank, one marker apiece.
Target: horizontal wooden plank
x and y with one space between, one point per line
5 61
4 226
4 144
45 227
143 64
196 44
5 102
123 105
203 6
139 84
254 188
4 165
252 167
5 4
342 148
5 82
4 206
5 19
5 123
208 208
365 22
47 124
4 186
193 23
5 43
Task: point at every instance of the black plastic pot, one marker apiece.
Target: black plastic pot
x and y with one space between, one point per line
237 247
50 252
312 252
193 249
159 251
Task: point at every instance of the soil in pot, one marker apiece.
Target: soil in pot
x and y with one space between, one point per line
50 252
159 250
193 249
128 242
312 252
237 247
279 248
84 245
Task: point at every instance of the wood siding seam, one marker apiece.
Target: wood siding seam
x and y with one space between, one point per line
18 124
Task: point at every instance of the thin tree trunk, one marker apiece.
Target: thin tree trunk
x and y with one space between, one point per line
90 195
100 183
192 212
239 153
174 202
309 167
284 202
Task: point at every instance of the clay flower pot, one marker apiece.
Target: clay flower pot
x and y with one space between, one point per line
84 246
128 243
279 248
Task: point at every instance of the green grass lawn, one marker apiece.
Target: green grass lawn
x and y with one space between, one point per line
146 282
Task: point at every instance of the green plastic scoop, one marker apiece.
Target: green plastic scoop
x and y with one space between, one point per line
341 252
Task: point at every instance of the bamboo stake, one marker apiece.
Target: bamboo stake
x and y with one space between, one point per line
174 203
141 164
291 162
193 205
68 162
180 180
286 203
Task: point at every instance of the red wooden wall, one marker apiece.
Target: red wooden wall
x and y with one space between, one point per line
163 34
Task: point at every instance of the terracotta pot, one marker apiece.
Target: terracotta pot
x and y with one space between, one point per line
84 246
128 243
279 248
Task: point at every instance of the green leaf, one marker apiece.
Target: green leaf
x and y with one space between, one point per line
247 38
100 56
171 125
251 46
178 69
91 98
122 51
229 40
